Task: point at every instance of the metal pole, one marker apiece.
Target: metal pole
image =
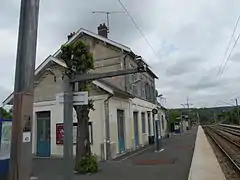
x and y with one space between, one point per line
21 143
237 111
68 129
160 133
157 136
181 123
215 120
159 145
198 118
108 21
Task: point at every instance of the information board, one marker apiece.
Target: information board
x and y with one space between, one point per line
6 139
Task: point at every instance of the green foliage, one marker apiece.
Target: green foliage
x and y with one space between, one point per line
79 60
77 56
230 116
5 114
88 164
173 115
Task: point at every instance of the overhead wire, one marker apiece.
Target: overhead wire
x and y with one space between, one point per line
138 28
225 61
225 64
228 46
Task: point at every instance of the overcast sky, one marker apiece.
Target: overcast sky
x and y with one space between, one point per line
189 38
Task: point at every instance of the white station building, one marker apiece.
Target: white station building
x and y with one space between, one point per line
123 102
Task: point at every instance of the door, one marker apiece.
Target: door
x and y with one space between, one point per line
121 136
149 123
43 134
136 133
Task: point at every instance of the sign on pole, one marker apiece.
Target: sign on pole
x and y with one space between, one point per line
79 98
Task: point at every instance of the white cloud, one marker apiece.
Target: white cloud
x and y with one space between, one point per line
188 36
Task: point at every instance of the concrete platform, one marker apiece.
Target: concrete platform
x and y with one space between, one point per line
204 162
171 164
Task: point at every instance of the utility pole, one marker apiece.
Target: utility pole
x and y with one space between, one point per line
21 143
68 128
215 117
188 107
107 13
236 100
198 118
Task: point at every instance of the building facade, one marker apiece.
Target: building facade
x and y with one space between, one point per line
122 120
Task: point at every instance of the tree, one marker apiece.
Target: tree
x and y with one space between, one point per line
174 114
79 60
5 114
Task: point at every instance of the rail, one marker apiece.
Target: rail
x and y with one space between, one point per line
230 126
225 144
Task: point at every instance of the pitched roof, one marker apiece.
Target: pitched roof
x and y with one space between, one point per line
106 40
100 83
84 31
75 36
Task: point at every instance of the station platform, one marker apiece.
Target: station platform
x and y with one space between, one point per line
171 164
204 164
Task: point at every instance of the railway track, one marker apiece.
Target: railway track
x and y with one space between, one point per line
228 141
234 130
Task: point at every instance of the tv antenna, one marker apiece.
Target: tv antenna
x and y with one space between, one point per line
107 13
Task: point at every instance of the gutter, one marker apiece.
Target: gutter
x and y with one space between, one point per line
107 127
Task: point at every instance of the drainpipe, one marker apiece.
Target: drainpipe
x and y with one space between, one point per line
107 127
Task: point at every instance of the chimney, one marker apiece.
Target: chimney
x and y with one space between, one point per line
71 35
103 30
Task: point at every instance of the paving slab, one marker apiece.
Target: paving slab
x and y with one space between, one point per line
171 164
204 162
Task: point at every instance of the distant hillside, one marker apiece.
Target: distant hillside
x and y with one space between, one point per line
206 115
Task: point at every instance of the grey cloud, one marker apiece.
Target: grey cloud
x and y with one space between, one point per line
208 81
188 43
235 57
204 83
9 11
4 93
183 66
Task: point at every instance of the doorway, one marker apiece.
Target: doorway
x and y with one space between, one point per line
121 130
43 134
136 132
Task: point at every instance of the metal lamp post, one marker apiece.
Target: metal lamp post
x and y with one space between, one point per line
159 145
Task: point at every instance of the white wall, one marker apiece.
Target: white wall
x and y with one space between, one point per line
129 106
114 105
96 117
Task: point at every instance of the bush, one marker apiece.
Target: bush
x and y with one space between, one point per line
89 164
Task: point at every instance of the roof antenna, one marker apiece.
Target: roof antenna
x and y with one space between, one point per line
107 13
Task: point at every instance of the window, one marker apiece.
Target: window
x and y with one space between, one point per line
134 89
133 84
143 122
152 93
142 89
147 91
